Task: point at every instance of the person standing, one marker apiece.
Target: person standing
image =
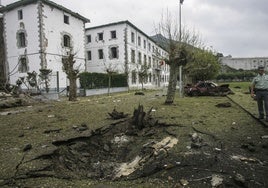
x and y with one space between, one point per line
259 87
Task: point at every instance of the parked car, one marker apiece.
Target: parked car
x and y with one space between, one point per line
207 88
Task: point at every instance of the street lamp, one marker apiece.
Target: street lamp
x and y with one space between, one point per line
180 68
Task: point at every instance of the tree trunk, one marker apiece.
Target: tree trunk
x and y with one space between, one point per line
73 89
173 78
109 83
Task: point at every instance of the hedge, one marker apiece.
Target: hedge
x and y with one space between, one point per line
100 80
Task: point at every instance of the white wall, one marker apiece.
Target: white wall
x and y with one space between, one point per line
99 65
12 25
123 41
54 29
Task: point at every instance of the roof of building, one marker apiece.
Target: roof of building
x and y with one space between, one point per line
119 23
48 2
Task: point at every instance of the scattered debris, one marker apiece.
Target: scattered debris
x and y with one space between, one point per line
139 93
127 168
197 141
117 115
264 137
52 131
224 105
250 147
27 147
216 180
239 180
81 128
184 182
164 144
246 159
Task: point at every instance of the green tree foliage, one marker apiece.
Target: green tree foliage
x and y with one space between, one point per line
204 66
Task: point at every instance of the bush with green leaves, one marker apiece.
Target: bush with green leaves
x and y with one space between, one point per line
100 80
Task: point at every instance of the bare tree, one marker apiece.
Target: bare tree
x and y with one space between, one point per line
110 69
44 76
143 72
72 74
180 44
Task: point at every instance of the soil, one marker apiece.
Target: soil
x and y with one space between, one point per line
196 142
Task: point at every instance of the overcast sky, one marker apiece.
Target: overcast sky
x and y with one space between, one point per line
232 27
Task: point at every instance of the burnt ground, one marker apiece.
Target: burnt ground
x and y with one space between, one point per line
197 142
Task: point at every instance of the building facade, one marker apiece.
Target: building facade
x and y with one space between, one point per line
244 63
123 48
37 35
2 55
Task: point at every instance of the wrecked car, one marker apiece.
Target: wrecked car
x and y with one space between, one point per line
207 88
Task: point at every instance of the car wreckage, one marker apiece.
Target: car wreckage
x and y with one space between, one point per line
207 88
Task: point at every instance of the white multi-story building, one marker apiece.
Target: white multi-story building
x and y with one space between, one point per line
244 63
37 35
122 47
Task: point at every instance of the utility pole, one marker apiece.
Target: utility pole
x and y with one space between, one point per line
180 68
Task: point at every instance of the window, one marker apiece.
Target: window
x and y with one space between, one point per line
66 41
100 36
133 77
23 66
113 34
149 46
100 52
89 55
145 60
139 58
20 14
133 56
21 40
88 38
114 52
66 19
139 40
144 44
132 37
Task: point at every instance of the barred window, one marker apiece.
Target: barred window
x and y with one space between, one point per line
21 40
114 52
100 51
89 55
113 34
66 41
23 65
